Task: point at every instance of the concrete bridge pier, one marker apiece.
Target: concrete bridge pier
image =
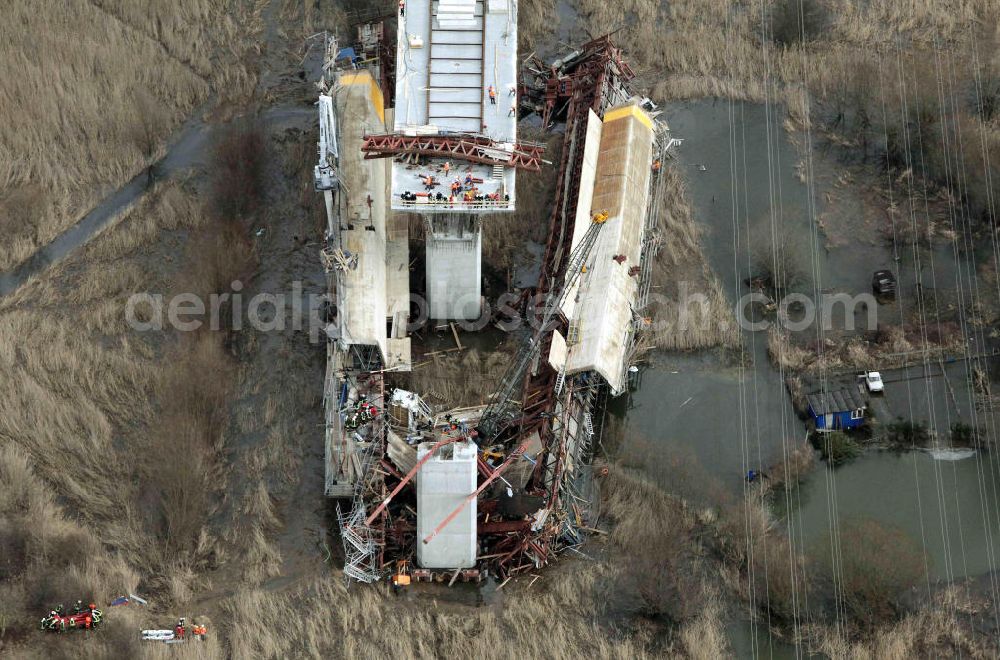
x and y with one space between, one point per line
454 266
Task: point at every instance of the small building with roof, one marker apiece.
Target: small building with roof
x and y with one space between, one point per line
837 410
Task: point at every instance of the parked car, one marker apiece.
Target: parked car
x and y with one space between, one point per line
884 284
873 381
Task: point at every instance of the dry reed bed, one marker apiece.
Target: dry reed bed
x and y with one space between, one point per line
893 348
326 618
93 91
119 426
689 307
935 631
715 47
466 378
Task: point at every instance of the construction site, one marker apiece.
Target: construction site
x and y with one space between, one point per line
428 137
441 328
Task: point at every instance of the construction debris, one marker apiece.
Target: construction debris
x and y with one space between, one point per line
499 488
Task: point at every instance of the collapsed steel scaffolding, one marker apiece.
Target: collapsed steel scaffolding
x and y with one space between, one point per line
363 543
594 79
379 531
558 408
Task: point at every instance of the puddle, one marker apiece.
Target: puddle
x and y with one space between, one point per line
753 640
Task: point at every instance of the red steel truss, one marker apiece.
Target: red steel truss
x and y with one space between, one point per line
472 148
589 82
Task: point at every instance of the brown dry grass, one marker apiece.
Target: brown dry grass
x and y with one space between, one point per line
93 90
123 428
326 618
935 631
689 309
893 346
466 378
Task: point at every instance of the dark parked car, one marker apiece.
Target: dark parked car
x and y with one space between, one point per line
884 284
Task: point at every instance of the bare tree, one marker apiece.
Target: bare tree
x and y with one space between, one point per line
780 255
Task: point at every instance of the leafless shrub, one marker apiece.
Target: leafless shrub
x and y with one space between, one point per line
799 462
876 565
238 170
780 257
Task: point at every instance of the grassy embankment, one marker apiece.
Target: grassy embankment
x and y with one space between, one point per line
113 438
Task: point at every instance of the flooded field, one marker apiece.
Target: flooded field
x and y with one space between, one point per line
946 503
696 422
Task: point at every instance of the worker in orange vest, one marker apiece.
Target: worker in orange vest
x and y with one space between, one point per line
447 167
493 94
656 166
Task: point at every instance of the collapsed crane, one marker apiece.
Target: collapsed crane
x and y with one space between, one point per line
324 174
498 416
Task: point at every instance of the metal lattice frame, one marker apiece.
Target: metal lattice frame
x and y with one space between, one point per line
472 148
497 415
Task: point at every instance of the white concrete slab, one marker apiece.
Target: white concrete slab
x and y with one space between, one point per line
465 49
445 481
584 212
602 321
375 290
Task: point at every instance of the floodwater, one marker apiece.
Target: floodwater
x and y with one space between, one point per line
755 640
747 181
708 417
697 421
945 502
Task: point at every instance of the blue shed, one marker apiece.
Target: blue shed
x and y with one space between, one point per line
841 409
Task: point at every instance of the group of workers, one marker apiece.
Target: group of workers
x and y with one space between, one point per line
81 617
491 91
198 630
460 190
363 413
